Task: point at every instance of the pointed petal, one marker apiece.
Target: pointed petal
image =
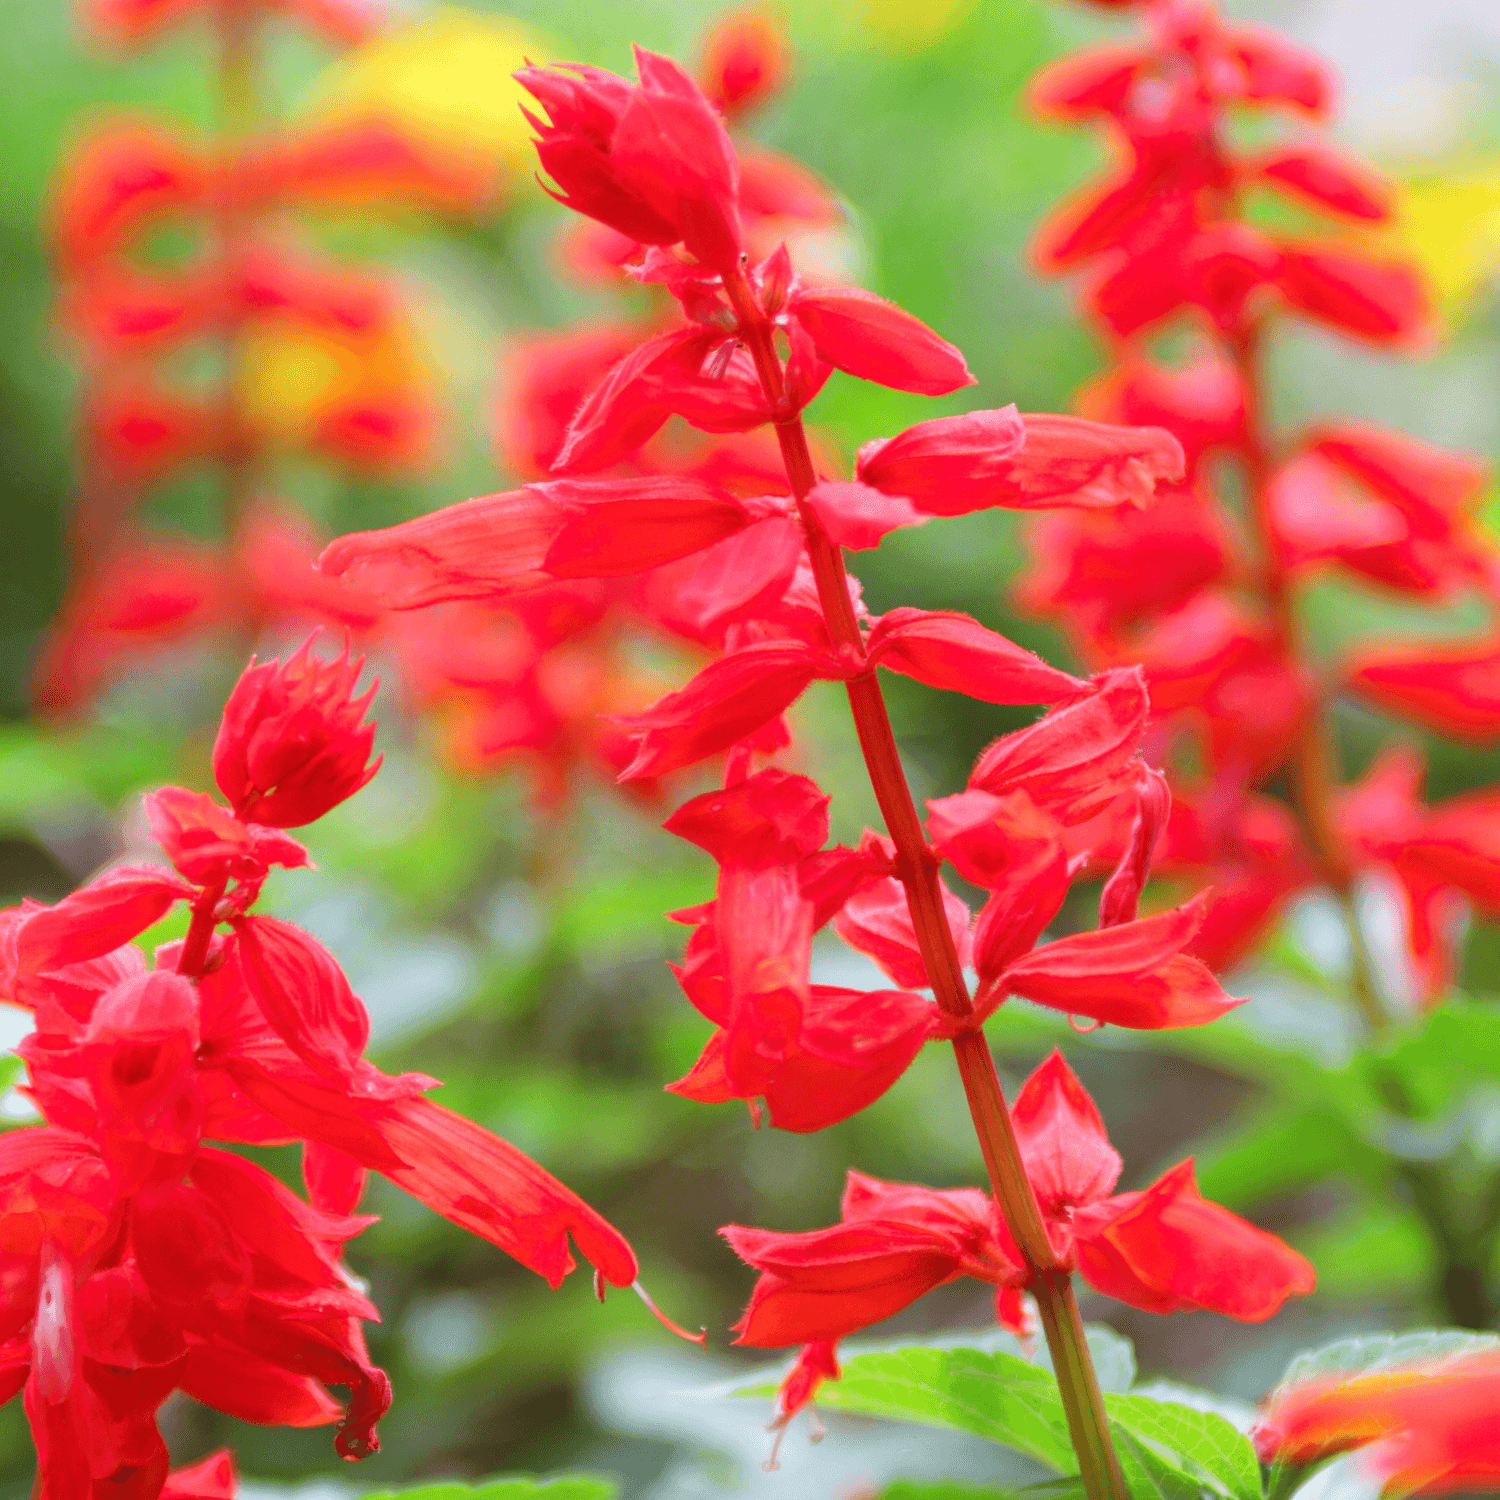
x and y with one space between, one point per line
876 340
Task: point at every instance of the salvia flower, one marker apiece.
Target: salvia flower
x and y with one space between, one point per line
291 745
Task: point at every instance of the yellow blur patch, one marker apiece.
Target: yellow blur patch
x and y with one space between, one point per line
446 79
292 375
901 26
1451 226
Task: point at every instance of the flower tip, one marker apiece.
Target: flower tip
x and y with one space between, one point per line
700 1338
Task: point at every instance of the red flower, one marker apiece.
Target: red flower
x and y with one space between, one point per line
1430 1424
896 1242
1163 1250
291 745
651 160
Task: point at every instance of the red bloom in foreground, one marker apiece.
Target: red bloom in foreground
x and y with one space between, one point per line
291 745
136 1258
1431 1424
1162 1250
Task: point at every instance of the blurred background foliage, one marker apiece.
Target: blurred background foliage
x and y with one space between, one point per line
520 957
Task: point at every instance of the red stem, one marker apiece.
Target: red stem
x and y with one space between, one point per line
200 931
917 868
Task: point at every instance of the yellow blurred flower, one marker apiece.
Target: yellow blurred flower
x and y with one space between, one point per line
1450 226
444 79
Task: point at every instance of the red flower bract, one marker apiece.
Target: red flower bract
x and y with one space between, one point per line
291 745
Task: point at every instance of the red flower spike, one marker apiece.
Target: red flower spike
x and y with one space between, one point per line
302 992
1169 1250
864 335
1381 301
726 702
978 833
956 653
291 745
858 517
1064 1147
1077 758
876 920
948 466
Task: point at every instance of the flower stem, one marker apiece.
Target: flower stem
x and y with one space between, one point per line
917 868
200 931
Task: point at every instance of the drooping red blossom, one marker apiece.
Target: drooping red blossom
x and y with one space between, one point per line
1163 1250
896 1243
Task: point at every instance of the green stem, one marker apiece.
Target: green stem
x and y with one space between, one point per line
917 868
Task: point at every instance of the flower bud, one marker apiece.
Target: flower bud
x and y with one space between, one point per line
291 745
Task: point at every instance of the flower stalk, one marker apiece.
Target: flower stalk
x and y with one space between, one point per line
917 866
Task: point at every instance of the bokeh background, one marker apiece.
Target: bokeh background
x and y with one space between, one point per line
518 953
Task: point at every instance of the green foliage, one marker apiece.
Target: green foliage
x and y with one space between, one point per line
1169 1449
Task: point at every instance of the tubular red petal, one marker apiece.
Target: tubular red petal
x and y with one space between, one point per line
1381 301
619 526
1330 179
955 652
1067 1154
1167 1249
876 920
858 517
866 336
772 817
727 701
1454 690
302 992
490 547
483 1184
96 918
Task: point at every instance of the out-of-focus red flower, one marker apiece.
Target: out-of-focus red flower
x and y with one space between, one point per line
1429 1426
746 60
291 745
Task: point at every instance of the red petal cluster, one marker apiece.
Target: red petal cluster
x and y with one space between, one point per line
1163 1250
139 1258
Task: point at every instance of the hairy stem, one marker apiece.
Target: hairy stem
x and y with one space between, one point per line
917 868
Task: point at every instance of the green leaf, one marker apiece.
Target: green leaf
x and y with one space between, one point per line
991 1394
1280 1149
519 1487
1156 1474
1199 1448
1383 1351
